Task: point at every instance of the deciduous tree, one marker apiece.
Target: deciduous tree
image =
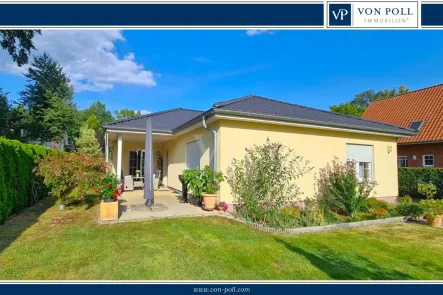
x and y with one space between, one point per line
18 43
362 100
126 114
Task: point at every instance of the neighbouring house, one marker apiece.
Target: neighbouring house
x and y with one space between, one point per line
180 140
421 110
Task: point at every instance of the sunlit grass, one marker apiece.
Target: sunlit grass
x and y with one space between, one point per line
67 245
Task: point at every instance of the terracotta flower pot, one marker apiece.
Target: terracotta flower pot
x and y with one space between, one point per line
434 222
209 200
221 208
108 210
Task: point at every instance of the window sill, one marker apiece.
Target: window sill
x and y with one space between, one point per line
371 182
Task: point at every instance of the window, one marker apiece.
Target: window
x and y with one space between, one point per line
193 155
428 160
402 161
362 155
136 162
416 125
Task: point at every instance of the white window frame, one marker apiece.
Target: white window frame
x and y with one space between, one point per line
405 160
433 160
140 161
357 163
199 159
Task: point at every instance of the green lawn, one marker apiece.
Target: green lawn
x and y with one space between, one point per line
53 245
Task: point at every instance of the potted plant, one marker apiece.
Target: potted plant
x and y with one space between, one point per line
192 181
433 211
204 184
222 206
108 190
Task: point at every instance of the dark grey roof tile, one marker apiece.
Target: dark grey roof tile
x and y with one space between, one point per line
253 104
164 121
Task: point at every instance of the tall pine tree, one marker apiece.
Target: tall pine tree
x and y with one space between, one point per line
48 98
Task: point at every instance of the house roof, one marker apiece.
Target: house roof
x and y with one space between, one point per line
164 121
253 104
402 110
257 107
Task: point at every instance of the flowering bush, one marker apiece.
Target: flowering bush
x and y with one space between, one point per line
380 213
224 205
64 172
340 189
108 188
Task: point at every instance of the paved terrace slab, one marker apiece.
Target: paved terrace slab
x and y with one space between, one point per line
166 205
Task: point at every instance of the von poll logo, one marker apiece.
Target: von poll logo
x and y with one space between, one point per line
377 14
340 14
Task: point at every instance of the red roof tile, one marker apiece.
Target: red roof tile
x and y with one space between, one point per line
420 105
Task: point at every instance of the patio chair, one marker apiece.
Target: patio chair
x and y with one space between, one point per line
128 183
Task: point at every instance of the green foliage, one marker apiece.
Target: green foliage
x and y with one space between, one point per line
293 216
265 180
98 109
340 190
361 101
94 123
65 172
108 187
11 118
410 177
348 108
48 97
87 142
202 181
16 165
406 207
372 204
126 114
432 208
18 43
427 189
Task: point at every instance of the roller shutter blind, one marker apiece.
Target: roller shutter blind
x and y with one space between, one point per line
193 155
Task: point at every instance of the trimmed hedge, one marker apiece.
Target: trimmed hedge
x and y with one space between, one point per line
16 165
408 179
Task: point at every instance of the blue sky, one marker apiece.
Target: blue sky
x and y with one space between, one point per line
155 70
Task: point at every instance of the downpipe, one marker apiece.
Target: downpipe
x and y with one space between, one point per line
214 160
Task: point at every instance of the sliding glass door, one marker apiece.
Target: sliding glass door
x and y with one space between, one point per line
136 162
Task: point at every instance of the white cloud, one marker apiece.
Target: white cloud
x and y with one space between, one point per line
89 58
251 33
145 112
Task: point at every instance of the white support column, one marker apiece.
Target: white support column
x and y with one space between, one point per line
119 156
106 147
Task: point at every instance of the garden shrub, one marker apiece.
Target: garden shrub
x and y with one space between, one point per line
292 216
407 207
63 173
372 203
264 181
427 189
340 190
410 177
16 165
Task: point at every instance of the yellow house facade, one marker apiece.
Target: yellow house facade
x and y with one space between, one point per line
193 139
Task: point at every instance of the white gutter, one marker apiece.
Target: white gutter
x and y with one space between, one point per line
137 132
